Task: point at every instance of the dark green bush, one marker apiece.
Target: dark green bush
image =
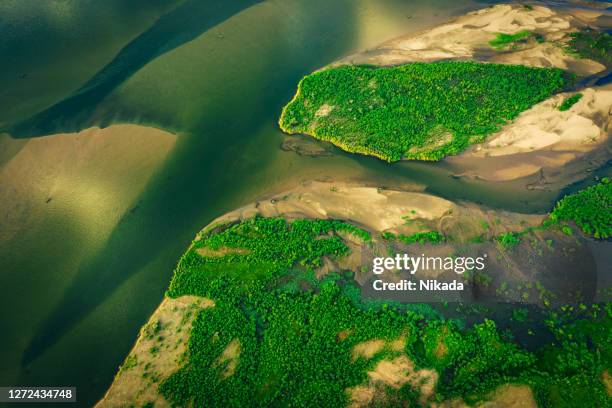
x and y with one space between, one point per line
502 40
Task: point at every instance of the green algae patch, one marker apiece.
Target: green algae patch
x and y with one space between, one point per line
420 111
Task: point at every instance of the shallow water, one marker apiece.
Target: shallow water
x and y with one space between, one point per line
81 283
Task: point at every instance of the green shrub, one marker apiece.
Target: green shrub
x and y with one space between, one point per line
509 240
591 44
570 101
432 237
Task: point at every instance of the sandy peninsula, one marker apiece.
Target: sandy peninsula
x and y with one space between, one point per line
544 139
557 268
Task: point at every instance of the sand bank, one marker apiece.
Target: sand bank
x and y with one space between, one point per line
543 139
158 350
558 262
372 208
76 174
467 37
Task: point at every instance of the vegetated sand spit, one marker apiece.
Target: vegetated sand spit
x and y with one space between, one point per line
542 139
405 212
376 209
157 353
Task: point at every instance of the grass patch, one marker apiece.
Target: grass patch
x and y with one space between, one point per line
509 240
422 111
503 41
432 237
570 101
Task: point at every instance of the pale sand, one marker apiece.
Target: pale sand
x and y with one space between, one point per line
606 379
581 127
231 356
511 396
542 137
372 208
368 349
393 373
505 396
167 332
376 210
92 177
468 37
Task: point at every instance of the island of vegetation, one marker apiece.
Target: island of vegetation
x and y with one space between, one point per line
407 98
423 111
260 319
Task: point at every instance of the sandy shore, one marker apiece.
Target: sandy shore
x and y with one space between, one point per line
159 349
544 139
374 209
543 145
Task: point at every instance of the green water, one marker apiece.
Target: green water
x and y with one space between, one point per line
217 75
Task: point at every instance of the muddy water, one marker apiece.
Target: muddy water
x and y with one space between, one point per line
94 245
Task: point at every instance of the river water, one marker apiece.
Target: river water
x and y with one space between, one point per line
89 260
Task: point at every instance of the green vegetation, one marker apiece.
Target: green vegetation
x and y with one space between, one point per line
509 240
593 44
520 315
422 111
570 101
502 40
590 209
432 237
296 333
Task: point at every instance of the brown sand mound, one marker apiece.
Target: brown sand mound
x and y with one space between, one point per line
394 373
